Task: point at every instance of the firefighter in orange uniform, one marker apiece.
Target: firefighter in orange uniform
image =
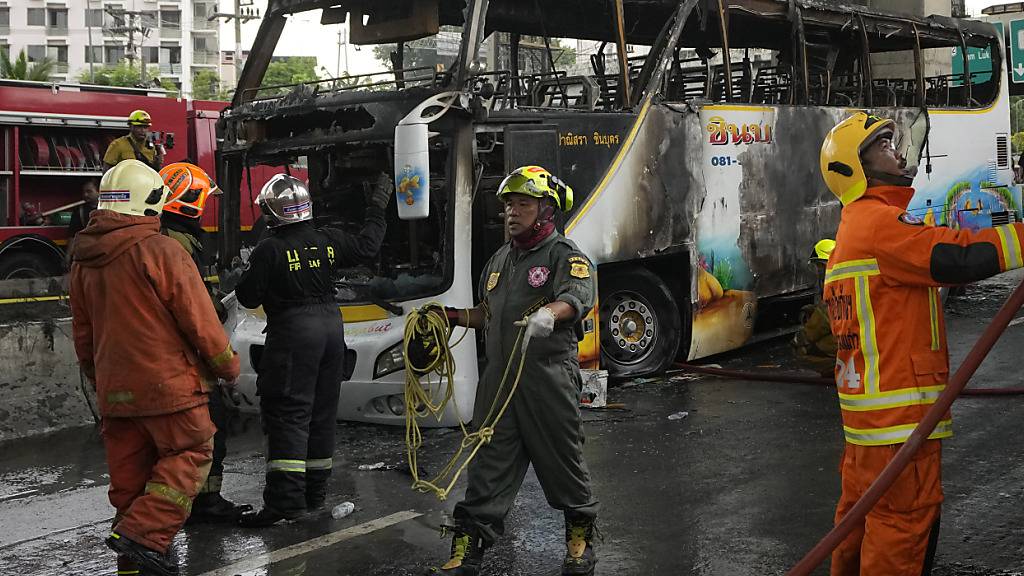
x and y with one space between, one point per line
143 328
881 289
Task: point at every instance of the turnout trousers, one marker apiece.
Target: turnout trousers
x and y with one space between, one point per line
299 380
543 427
157 464
898 536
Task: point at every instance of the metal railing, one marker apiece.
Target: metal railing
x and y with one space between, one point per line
204 58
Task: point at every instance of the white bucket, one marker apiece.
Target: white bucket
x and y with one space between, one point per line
412 171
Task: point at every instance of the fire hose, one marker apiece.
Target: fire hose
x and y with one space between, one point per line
790 378
906 452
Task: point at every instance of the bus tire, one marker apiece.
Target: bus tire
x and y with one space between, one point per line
23 264
639 323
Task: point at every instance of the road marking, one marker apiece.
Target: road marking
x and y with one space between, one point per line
256 562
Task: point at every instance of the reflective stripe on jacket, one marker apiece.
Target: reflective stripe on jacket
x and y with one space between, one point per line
881 289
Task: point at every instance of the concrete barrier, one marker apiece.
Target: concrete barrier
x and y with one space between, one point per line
40 384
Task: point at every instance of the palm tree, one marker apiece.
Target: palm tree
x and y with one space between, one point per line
21 70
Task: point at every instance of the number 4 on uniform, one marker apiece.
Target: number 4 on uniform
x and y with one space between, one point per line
847 375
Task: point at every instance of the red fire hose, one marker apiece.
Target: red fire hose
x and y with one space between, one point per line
800 379
881 484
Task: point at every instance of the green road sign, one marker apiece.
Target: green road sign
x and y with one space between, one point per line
1015 51
980 60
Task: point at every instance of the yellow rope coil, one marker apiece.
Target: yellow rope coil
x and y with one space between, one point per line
431 399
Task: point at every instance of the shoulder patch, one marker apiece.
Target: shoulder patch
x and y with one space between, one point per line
908 218
579 269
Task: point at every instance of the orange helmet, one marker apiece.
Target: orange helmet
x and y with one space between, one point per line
190 186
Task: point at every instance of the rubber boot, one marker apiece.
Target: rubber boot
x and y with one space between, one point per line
264 518
149 560
126 567
467 556
212 508
580 557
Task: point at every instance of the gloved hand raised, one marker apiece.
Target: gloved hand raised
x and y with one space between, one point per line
540 324
381 192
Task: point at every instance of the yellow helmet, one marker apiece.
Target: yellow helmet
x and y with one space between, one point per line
133 188
823 249
840 154
539 183
139 118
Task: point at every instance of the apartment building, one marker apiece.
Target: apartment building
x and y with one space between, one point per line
180 40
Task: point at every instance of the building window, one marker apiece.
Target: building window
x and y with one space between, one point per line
113 53
94 18
35 52
170 55
57 18
94 54
201 11
5 49
57 53
151 54
170 19
202 44
37 17
5 17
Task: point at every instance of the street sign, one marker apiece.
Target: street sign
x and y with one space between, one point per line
980 60
1015 51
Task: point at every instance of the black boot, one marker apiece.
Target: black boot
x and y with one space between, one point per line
127 567
211 507
264 518
580 557
151 561
467 556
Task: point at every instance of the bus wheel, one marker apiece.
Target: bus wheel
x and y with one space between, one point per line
640 323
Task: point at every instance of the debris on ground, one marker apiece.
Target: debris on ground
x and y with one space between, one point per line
678 415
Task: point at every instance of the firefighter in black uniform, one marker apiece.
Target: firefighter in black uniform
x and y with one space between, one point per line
190 188
300 370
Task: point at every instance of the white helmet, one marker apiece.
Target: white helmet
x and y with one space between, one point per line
285 200
133 188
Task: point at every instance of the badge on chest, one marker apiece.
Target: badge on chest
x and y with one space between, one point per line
538 276
492 280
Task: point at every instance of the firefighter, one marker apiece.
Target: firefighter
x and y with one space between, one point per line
813 343
190 188
881 290
136 144
543 277
143 330
299 376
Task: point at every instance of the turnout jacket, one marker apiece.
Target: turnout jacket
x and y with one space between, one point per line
142 319
293 266
881 290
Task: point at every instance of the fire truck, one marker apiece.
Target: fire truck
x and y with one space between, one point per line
52 141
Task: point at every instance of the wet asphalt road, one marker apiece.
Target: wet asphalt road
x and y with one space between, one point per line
743 485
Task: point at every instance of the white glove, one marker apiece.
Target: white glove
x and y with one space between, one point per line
540 324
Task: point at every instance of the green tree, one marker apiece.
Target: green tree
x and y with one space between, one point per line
289 70
20 69
206 86
126 75
1018 142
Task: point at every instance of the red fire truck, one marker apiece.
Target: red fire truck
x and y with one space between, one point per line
52 140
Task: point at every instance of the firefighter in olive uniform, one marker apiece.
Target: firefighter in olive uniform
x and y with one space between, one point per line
542 277
299 375
881 290
190 188
813 343
135 145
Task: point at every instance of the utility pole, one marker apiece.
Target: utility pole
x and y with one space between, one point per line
128 23
243 13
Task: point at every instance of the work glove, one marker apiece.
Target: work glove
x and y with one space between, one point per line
381 192
540 324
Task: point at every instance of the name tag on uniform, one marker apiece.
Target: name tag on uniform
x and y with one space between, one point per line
492 280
